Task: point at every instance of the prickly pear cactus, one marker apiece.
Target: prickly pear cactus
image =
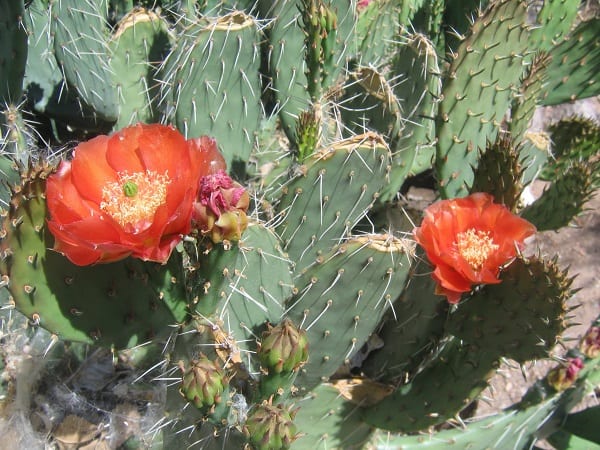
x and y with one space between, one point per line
271 301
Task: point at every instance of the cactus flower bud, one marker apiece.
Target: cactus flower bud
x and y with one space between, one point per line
270 427
203 383
284 348
564 376
220 211
590 344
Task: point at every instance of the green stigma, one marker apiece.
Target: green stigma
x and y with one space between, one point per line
130 189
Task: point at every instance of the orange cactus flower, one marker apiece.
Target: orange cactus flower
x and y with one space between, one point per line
128 194
468 240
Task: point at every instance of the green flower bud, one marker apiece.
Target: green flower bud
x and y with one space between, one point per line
270 427
284 348
203 383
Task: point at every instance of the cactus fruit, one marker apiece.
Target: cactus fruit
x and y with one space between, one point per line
271 427
283 348
229 233
204 385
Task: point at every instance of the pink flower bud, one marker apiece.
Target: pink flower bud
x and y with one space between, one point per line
220 211
564 376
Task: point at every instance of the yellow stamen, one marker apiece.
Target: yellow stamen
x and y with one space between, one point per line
135 197
475 246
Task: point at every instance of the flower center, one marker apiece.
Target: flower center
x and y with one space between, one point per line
135 197
475 246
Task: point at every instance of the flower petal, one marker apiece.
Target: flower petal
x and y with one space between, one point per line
163 149
206 158
90 170
468 240
64 199
122 152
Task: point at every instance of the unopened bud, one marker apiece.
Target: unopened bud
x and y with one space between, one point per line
271 427
203 383
284 348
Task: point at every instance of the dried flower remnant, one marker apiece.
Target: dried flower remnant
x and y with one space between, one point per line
563 377
220 211
590 343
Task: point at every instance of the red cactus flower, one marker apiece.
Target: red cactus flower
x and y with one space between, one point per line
128 194
468 240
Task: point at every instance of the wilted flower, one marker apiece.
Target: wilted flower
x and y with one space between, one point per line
220 210
590 344
564 376
130 193
468 240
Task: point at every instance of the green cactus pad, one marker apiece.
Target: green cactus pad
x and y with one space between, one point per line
370 104
376 29
478 91
531 90
521 318
46 89
81 47
336 187
13 51
510 429
499 173
565 198
342 297
17 137
573 71
451 380
42 75
273 162
122 304
412 328
212 85
327 420
414 60
243 286
9 176
554 21
448 21
139 41
573 139
286 62
534 151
